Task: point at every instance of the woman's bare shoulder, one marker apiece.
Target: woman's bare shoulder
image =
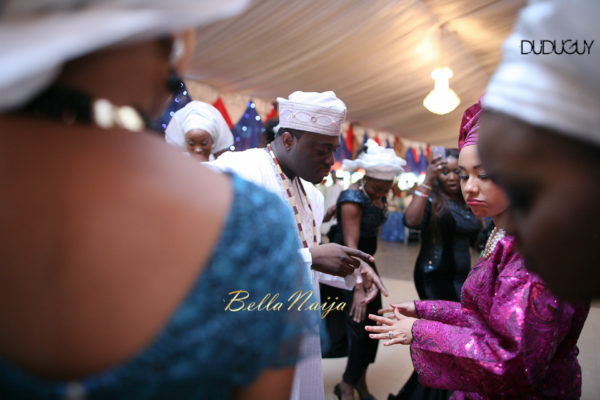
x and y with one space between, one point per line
123 216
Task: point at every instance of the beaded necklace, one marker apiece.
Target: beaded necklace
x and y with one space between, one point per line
76 106
293 203
496 235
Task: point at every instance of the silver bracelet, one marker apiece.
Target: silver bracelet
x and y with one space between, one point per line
420 194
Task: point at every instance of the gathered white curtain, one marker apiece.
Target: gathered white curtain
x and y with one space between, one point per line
377 55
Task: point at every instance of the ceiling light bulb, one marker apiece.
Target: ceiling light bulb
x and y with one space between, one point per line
441 100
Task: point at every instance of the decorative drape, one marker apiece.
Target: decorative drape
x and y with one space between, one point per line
376 55
247 133
350 139
178 100
219 105
342 152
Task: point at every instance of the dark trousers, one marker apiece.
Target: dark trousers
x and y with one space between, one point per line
412 390
349 338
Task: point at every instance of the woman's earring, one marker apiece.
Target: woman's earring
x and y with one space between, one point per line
174 81
177 51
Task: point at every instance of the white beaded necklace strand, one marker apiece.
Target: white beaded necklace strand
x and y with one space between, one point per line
496 235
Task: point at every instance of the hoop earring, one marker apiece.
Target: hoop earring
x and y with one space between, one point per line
362 187
177 51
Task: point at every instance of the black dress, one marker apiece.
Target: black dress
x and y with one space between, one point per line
440 271
348 338
444 263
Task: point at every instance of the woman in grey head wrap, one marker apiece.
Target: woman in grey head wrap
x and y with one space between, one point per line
540 140
199 129
116 260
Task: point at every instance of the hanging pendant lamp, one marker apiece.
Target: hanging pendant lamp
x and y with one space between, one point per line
441 100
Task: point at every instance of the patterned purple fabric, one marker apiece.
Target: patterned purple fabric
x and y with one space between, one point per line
469 126
510 337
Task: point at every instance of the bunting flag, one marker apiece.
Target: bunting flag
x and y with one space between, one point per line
272 112
416 155
411 165
247 133
357 145
219 105
342 152
350 140
416 161
179 99
423 163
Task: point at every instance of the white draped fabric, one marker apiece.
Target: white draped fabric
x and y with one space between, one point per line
376 55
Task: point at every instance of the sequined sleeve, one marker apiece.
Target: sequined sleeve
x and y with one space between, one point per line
424 220
449 312
351 196
513 327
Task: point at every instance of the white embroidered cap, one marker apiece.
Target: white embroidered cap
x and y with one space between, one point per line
315 112
377 161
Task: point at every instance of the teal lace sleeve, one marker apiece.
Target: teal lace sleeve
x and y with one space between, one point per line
233 324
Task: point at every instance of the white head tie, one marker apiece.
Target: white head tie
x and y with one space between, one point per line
315 112
557 91
199 115
38 36
377 161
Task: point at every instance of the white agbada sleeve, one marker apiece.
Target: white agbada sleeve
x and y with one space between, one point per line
317 202
255 165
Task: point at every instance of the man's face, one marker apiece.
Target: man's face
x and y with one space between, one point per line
554 196
312 156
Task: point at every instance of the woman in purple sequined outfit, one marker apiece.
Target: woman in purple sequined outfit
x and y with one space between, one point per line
509 337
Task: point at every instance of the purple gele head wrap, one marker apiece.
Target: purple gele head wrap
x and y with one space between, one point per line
469 126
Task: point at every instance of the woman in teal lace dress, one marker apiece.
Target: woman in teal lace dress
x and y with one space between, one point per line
207 348
126 265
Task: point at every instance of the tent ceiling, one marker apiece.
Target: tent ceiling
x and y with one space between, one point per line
377 55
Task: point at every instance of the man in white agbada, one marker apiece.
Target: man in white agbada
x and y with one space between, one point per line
301 155
200 130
